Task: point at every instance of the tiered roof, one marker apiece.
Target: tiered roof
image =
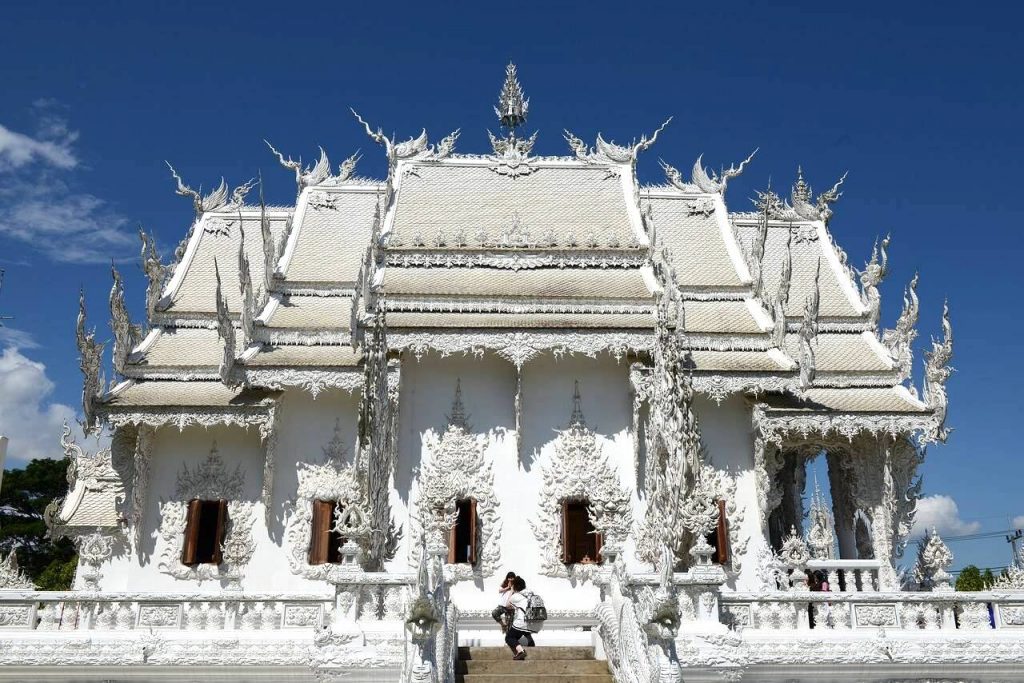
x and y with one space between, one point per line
522 255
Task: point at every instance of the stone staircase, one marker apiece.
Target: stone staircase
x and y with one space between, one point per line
542 665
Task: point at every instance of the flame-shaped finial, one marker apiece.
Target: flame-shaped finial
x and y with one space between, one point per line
512 105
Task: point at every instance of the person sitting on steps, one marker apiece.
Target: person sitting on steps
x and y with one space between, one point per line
520 628
501 612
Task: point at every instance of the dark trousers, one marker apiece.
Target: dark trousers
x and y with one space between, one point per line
514 635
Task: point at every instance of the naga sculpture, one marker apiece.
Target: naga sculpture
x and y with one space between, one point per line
215 200
717 183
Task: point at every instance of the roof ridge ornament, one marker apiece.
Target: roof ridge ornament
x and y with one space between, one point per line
305 176
226 332
126 334
874 272
936 373
513 106
808 332
156 272
90 361
607 151
899 341
821 209
717 183
211 202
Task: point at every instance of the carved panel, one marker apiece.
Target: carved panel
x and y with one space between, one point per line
303 616
17 616
1011 615
875 616
159 615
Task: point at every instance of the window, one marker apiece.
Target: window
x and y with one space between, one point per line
462 538
719 538
204 532
580 542
324 542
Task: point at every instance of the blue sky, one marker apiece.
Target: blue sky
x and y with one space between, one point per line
921 102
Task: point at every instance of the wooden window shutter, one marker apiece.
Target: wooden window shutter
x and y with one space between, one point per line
222 523
722 535
188 550
472 531
319 537
566 541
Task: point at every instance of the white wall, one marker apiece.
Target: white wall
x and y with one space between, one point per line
488 390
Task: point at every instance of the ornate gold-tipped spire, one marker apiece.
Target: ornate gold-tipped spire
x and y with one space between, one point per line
512 105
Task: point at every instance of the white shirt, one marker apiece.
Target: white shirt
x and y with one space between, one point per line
519 601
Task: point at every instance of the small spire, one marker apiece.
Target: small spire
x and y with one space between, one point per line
512 105
801 190
457 418
577 419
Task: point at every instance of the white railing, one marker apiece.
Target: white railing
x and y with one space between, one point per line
849 576
368 598
963 611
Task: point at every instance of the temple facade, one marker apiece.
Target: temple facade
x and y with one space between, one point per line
344 420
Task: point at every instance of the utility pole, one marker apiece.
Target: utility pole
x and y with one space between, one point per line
1012 540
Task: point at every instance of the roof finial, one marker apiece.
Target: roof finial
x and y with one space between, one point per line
801 190
512 105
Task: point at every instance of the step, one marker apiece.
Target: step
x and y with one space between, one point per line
535 653
534 678
531 666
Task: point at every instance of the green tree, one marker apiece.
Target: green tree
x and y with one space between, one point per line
971 579
23 498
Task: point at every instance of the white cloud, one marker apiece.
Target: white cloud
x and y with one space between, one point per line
1018 522
53 147
21 339
32 424
941 512
39 205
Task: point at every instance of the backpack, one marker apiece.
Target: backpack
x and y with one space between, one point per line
535 610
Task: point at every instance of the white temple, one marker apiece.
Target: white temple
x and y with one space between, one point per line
343 421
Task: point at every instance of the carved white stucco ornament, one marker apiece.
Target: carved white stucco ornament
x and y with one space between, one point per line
226 333
874 272
90 360
937 371
821 208
808 333
933 559
795 555
211 202
156 272
333 479
579 471
457 470
821 537
305 176
717 183
93 550
126 334
899 341
1013 579
12 578
210 480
